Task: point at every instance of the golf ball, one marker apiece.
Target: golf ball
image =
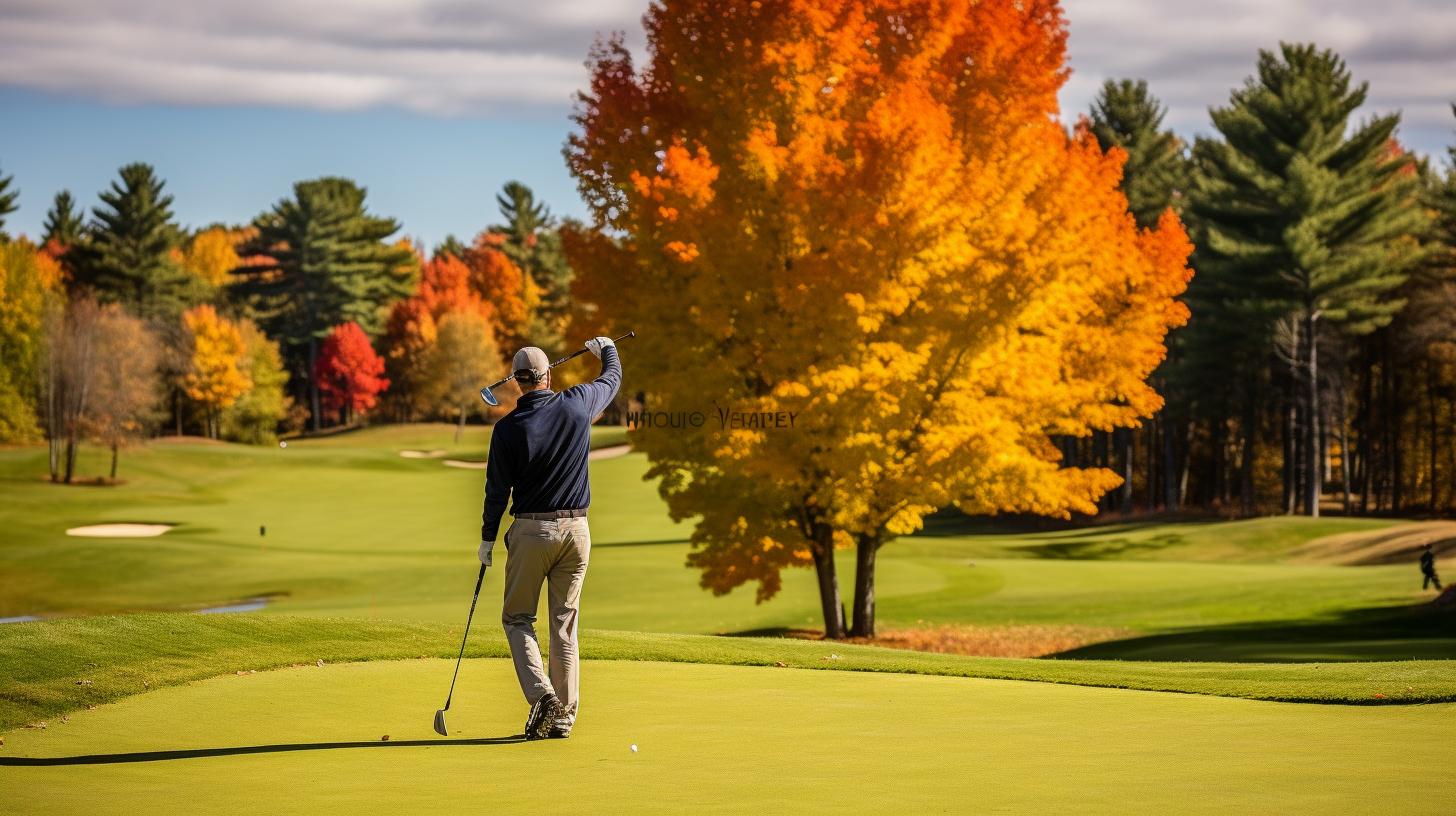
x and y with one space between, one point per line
282 444
634 748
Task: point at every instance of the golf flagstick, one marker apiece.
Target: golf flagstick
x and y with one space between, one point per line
440 715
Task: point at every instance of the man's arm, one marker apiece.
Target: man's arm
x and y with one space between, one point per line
598 393
498 483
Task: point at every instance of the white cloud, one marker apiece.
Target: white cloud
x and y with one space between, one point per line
450 57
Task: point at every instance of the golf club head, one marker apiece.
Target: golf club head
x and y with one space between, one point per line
489 398
440 723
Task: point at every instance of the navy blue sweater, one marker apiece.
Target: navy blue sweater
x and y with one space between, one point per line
538 451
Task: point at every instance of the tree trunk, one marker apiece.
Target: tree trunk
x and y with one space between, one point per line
823 551
459 429
1246 466
1127 451
864 587
113 461
1153 462
1435 443
1313 466
70 457
1170 466
313 392
1287 438
1344 421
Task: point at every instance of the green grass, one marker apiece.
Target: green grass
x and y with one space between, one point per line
53 667
369 558
720 739
355 530
1257 540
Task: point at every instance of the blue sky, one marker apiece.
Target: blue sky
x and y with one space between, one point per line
435 175
434 104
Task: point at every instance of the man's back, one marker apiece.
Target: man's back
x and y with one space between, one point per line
538 452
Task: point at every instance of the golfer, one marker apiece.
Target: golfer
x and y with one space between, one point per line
1428 569
538 454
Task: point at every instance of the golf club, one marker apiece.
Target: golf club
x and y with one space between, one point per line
489 397
440 715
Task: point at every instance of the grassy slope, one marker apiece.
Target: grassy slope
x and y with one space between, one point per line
353 529
46 664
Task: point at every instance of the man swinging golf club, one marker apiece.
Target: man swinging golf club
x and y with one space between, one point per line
538 454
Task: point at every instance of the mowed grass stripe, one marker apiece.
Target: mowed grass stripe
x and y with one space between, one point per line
50 667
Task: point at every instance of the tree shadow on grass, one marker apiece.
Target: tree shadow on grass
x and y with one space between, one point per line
198 753
1419 632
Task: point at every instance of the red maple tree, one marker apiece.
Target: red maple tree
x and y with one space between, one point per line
350 374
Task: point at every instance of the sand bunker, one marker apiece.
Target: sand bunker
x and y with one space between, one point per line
120 530
460 463
418 454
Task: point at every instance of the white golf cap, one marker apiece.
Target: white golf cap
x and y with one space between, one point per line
533 360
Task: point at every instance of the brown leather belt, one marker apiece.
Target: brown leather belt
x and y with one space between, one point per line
552 516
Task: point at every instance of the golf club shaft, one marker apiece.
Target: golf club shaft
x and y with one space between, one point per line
572 356
478 580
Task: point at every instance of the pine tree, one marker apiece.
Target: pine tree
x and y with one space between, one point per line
7 203
1127 116
450 246
1300 223
320 259
64 224
534 244
128 258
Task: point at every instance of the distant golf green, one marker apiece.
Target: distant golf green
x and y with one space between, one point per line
353 528
720 738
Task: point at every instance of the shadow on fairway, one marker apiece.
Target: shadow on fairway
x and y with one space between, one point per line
1419 632
197 753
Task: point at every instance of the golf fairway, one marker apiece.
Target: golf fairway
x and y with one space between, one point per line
720 739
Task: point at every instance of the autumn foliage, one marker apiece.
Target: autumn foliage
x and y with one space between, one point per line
215 378
350 374
866 214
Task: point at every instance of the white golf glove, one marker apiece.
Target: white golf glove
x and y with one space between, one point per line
596 344
485 548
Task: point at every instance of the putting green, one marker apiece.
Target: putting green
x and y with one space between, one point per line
720 739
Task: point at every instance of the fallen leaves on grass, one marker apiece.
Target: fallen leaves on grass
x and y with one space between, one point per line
1009 640
83 682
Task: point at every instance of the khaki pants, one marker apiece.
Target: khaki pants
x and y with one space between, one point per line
554 552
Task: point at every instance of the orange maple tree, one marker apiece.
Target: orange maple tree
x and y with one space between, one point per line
867 216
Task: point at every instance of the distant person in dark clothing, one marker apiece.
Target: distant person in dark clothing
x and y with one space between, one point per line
1428 569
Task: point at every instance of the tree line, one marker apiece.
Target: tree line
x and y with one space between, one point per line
122 324
1319 365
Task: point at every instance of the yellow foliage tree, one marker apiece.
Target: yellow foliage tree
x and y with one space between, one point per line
863 222
212 254
215 379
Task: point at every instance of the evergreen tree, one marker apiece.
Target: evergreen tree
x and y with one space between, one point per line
533 244
63 223
7 203
128 258
1126 115
451 246
1301 222
321 261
